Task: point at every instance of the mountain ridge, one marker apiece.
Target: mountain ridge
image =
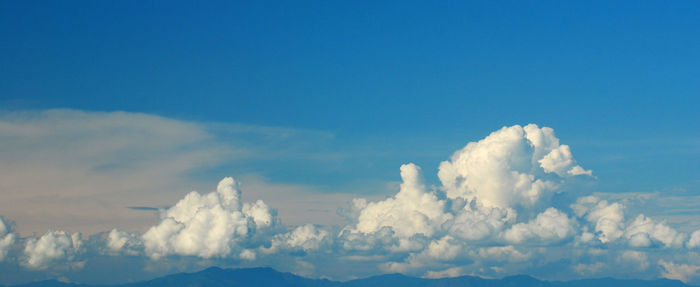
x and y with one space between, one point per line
266 276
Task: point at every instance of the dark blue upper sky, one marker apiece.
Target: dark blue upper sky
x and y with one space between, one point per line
618 77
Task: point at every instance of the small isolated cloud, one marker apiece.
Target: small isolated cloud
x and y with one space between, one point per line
53 247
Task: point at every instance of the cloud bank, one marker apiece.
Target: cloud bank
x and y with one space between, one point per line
505 204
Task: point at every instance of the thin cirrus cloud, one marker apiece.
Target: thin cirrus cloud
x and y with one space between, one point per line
506 204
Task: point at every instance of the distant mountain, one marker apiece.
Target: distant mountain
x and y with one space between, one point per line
263 277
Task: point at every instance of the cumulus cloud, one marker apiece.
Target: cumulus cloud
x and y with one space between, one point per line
306 237
7 238
683 272
476 222
501 254
643 231
120 242
636 258
549 227
493 206
694 241
508 168
560 161
437 252
209 225
101 162
608 218
413 210
52 247
491 215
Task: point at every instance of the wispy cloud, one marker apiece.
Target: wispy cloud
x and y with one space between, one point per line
76 170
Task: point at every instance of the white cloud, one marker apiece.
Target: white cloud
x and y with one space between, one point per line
484 184
447 273
578 170
608 218
7 238
501 253
413 210
209 225
589 269
492 215
436 253
643 230
507 168
636 258
683 272
306 237
476 222
446 248
100 163
120 242
551 226
694 241
52 247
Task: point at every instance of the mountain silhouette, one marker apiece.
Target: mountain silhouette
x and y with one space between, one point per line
264 277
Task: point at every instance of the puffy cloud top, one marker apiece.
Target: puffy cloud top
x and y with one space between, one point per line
643 230
413 210
491 216
123 242
694 241
607 217
508 167
209 225
306 237
550 226
54 246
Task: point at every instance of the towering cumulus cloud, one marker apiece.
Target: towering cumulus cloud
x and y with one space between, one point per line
485 186
500 208
210 225
411 211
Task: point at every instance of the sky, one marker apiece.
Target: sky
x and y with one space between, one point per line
348 139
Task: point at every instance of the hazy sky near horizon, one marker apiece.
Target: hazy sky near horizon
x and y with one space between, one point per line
111 111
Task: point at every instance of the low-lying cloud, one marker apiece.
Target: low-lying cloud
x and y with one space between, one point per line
493 213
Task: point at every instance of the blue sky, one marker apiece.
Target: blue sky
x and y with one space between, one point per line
596 71
327 100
